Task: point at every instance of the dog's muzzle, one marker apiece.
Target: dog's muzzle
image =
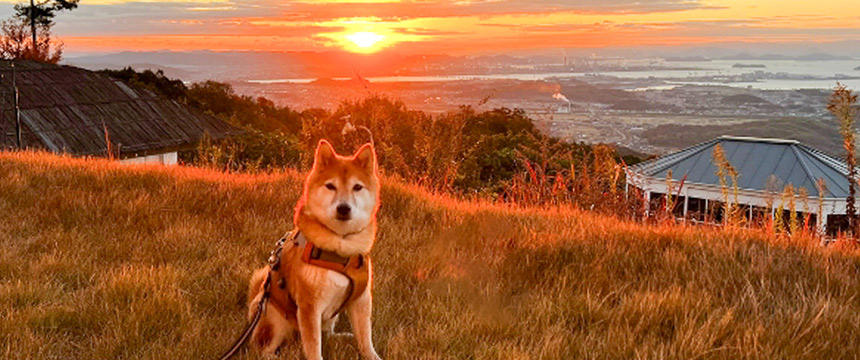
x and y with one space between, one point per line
344 212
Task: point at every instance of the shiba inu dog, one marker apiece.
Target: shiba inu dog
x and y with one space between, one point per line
326 268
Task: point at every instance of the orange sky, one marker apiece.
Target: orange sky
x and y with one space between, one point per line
445 26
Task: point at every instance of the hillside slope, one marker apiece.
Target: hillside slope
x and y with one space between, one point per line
102 261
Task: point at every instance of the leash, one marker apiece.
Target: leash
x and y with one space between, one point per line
274 262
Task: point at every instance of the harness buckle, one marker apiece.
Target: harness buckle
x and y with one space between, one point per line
275 256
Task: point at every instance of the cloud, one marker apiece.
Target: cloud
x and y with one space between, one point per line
454 8
441 25
427 32
333 9
113 17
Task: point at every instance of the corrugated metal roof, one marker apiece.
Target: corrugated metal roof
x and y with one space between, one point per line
756 160
65 109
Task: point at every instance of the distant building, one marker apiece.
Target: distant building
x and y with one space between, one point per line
66 109
764 166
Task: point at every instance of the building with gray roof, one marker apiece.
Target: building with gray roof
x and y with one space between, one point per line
764 167
64 109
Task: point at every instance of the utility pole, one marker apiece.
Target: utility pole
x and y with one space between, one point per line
17 110
33 23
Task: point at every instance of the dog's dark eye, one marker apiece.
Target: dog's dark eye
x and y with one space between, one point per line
330 186
357 187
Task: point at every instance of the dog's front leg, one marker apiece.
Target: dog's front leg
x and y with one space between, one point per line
359 318
310 330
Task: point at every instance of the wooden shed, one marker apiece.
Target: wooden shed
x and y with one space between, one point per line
65 109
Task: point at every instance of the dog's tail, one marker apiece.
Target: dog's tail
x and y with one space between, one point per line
255 290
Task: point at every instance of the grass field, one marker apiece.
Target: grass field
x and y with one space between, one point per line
102 261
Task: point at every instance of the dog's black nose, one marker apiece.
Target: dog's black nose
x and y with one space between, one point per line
343 211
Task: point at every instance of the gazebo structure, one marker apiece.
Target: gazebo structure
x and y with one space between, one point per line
764 168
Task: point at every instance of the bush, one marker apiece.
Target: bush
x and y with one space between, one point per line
497 154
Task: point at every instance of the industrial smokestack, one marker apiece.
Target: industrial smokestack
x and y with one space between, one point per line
560 96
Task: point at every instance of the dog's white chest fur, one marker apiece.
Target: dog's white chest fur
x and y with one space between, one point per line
338 280
337 293
330 288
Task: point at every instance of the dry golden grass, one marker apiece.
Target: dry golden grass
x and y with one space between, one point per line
102 261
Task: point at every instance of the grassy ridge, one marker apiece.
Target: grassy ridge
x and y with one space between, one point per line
101 261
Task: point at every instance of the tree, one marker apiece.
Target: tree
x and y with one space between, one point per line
156 81
14 44
39 17
841 104
42 14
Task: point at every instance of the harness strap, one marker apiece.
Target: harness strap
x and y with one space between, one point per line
274 262
354 268
359 276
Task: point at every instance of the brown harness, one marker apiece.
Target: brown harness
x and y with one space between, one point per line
354 268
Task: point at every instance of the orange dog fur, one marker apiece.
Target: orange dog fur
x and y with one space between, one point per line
337 212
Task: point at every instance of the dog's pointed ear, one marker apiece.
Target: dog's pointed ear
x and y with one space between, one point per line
366 157
324 154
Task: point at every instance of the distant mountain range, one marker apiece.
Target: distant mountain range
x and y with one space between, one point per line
229 66
748 56
243 65
806 57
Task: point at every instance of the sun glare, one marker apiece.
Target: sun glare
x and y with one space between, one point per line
367 35
365 41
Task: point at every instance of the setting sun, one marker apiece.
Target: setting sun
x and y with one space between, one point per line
365 40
